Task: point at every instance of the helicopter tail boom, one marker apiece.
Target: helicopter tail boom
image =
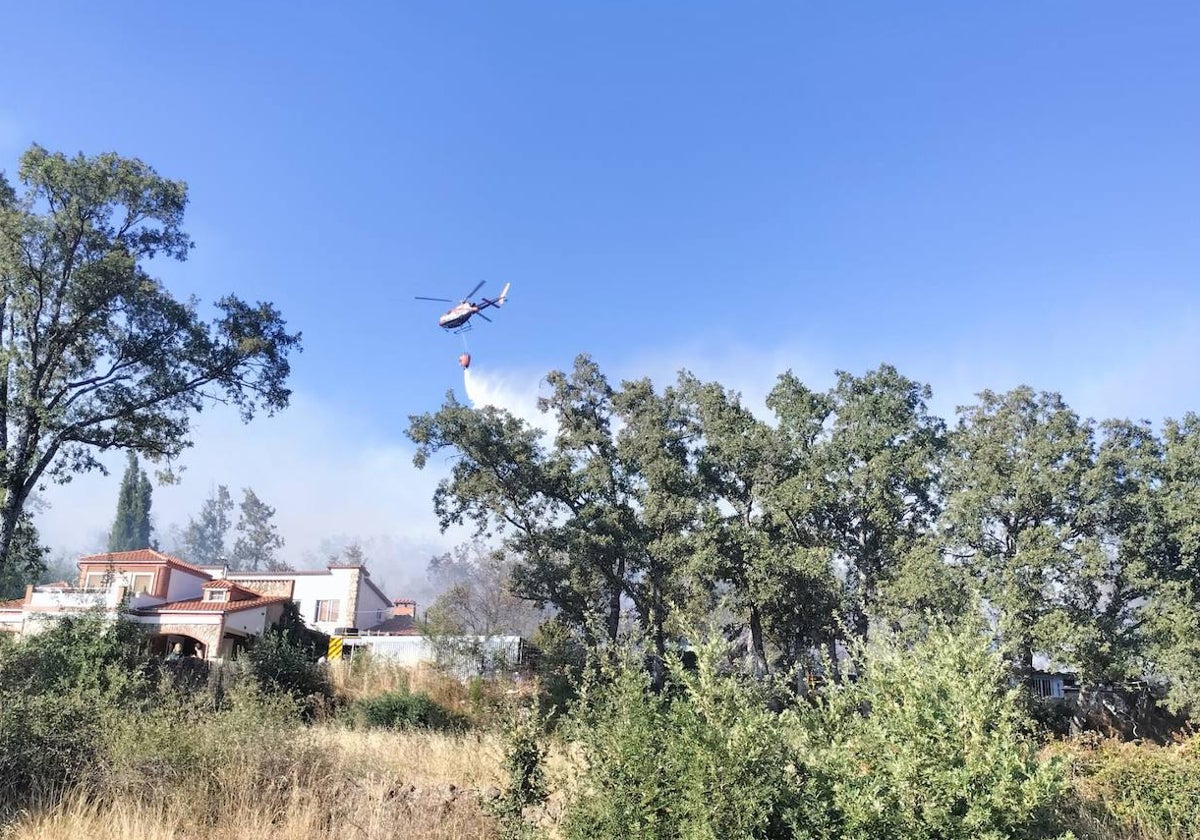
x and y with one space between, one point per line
498 301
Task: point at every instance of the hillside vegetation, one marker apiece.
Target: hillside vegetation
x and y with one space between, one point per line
929 741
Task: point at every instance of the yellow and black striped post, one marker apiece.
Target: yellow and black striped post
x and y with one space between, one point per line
335 648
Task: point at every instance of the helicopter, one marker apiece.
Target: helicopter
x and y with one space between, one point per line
457 318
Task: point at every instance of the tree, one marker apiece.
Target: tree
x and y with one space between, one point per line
563 512
476 597
96 354
259 538
131 528
881 465
1024 514
779 579
204 539
28 559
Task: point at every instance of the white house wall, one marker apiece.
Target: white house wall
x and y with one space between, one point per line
184 585
372 608
247 621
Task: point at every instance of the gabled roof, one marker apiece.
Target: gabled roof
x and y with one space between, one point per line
142 556
236 593
212 606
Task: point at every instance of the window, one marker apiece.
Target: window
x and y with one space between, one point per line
1051 687
141 583
95 580
216 595
328 610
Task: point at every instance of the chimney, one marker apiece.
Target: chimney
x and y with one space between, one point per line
403 606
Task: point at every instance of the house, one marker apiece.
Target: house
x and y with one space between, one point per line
338 599
208 611
1050 680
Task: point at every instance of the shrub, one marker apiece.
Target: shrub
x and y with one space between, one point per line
281 665
46 743
1141 790
930 742
401 710
704 759
87 655
560 661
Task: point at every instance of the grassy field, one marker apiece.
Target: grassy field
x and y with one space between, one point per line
331 783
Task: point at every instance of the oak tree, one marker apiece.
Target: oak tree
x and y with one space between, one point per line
95 352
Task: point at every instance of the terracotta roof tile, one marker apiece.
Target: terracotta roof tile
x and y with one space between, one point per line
12 604
142 555
219 584
212 606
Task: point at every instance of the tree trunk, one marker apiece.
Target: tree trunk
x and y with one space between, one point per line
658 666
613 619
757 650
10 511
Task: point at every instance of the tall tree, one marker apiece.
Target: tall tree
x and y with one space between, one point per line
95 353
258 538
204 538
565 512
655 445
880 461
767 553
131 528
1024 513
1172 611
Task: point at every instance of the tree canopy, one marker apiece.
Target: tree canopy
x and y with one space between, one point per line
97 353
837 514
131 527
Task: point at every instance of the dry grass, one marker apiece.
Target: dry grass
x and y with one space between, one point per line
364 676
419 758
323 782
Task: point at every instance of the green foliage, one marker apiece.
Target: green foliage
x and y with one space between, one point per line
282 665
404 710
131 528
258 538
204 538
87 655
704 759
1141 791
120 362
47 743
525 778
930 742
26 559
561 657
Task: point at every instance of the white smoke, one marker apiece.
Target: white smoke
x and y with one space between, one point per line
516 394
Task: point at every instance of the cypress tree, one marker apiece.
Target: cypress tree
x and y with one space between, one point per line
131 527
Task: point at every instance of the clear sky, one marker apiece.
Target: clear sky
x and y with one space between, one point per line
982 194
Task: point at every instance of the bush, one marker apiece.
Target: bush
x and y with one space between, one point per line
85 655
46 744
560 660
704 759
283 666
930 742
1141 790
401 710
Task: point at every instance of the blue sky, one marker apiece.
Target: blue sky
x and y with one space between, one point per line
982 195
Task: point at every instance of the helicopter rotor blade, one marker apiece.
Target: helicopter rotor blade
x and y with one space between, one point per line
484 317
476 289
443 300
